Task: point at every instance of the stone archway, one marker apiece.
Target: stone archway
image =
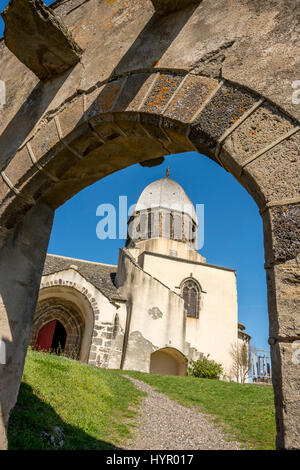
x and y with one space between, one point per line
67 313
67 299
168 361
137 108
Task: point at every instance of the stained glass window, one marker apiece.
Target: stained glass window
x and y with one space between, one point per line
191 297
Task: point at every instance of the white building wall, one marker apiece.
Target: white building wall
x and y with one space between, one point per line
216 329
155 313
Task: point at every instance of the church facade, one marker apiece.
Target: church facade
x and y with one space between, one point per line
160 307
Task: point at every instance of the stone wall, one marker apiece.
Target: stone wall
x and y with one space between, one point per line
216 329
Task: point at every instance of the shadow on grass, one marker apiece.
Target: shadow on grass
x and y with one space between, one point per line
31 417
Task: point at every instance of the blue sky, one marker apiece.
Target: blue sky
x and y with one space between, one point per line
233 227
3 4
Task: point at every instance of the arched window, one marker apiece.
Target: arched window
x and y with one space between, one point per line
191 297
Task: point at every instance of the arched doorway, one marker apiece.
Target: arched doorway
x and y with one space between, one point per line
167 361
58 325
51 337
68 299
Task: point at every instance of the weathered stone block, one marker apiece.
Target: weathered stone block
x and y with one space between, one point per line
71 116
12 209
151 124
284 299
4 192
286 381
76 178
20 169
44 141
82 140
282 233
134 92
102 99
98 341
163 7
57 164
169 143
26 178
277 172
106 335
164 88
39 38
190 97
261 128
106 130
225 108
177 132
130 128
125 150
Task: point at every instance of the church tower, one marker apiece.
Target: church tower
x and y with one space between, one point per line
179 307
164 221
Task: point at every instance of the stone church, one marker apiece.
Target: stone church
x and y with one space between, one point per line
160 307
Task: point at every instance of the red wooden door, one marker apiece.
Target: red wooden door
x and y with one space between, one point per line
45 336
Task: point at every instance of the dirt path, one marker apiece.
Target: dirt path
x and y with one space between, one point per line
164 424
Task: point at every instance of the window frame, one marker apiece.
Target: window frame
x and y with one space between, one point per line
188 286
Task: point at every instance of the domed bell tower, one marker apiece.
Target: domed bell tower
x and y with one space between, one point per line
164 221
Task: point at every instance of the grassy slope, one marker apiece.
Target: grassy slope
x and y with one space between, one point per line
93 406
245 411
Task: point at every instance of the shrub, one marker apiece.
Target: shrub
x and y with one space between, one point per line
205 368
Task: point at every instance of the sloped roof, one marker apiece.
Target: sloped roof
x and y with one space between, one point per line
102 276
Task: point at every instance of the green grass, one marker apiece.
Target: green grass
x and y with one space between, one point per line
245 412
94 407
97 408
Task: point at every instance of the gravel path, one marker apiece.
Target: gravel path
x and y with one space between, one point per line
166 425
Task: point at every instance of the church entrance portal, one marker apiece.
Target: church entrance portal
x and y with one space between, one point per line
51 337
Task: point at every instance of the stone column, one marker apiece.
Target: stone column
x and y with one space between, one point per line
21 265
282 246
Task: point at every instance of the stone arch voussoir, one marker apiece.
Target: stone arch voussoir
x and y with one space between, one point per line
110 127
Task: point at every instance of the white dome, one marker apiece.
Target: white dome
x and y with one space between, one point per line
167 194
